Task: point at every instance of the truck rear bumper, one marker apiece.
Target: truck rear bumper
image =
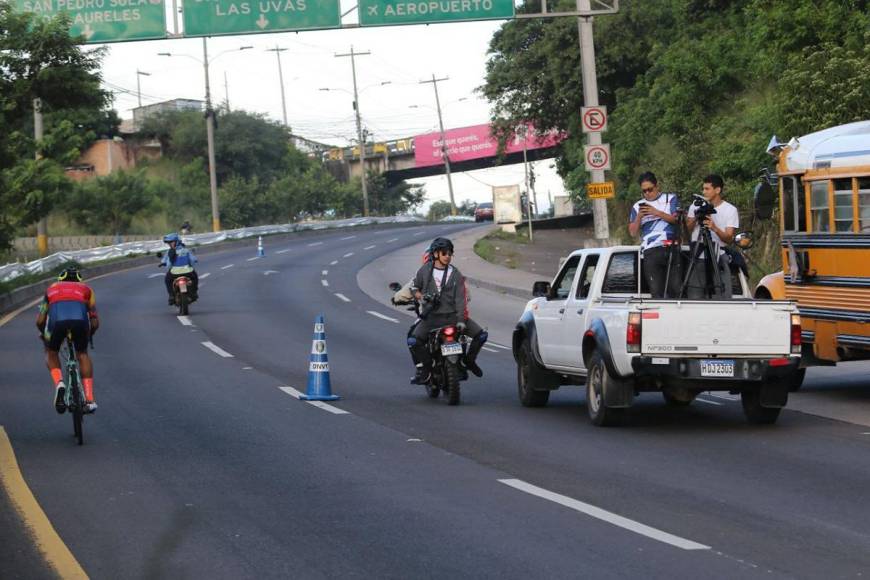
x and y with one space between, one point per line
745 369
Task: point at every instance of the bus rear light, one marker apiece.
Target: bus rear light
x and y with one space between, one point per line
632 332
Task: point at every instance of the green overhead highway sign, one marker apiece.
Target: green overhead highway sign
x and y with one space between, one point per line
215 17
106 20
387 12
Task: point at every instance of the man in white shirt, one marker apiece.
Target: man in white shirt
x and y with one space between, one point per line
723 226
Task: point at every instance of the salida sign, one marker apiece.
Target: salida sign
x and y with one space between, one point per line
214 17
106 20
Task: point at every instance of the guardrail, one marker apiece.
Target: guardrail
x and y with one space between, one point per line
12 271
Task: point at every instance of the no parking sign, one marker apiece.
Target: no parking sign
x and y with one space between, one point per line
597 157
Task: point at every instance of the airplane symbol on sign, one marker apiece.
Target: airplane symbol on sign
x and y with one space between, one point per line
373 10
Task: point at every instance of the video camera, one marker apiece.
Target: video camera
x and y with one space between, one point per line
428 304
703 208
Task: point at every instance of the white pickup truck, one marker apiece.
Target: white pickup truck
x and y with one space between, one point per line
595 325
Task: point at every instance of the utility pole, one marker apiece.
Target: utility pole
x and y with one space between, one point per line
444 154
139 75
525 130
277 50
226 92
359 132
38 132
209 129
590 99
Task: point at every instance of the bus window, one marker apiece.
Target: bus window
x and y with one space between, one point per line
793 205
864 202
843 212
819 209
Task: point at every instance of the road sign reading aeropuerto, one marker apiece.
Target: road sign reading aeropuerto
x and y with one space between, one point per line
387 12
106 20
215 17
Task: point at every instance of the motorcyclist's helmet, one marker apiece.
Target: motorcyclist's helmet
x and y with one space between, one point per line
441 244
169 238
71 274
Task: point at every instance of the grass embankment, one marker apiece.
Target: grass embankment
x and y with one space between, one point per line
499 247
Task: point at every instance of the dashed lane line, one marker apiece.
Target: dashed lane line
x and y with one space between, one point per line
270 272
216 349
315 244
496 345
490 349
382 316
319 404
393 240
419 233
324 272
333 263
342 297
284 251
605 516
254 258
348 238
325 283
227 266
155 275
185 320
348 255
57 554
370 247
206 275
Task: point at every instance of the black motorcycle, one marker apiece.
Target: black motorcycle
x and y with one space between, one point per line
446 345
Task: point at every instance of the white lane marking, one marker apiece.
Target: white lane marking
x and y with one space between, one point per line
270 272
419 233
185 320
206 275
393 240
414 440
216 349
700 400
227 266
254 258
726 397
325 283
315 244
496 345
605 515
333 263
379 315
155 275
490 349
324 272
284 251
247 368
369 247
348 238
348 255
342 297
319 404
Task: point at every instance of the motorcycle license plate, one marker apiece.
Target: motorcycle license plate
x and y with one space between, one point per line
451 348
717 368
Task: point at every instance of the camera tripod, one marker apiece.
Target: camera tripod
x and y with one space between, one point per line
712 280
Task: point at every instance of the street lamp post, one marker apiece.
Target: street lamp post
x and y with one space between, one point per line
209 128
139 75
278 50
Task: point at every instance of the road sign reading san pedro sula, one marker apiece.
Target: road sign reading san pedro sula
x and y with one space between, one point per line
220 17
105 20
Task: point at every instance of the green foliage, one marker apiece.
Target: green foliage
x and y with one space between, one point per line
111 202
438 210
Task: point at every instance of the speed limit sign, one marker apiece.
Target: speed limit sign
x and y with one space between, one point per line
597 157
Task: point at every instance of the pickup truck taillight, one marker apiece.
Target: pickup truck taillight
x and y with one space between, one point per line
632 333
795 333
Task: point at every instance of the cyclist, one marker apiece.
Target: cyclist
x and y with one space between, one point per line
69 306
446 285
180 261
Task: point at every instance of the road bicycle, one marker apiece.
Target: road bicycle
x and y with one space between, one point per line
74 397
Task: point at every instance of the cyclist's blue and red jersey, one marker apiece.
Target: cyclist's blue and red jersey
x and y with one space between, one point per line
69 301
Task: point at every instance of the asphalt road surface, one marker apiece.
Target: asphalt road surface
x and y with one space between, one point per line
198 464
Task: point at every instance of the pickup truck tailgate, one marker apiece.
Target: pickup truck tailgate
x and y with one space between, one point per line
731 328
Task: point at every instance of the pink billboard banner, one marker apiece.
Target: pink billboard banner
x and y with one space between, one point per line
473 142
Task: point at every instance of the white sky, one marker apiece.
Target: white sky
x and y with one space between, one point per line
401 55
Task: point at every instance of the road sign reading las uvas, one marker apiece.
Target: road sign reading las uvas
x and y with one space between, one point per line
386 12
604 190
216 17
106 20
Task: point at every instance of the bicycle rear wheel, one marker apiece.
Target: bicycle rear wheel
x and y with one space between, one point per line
77 409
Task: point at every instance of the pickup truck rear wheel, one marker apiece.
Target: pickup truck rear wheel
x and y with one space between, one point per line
597 381
755 413
526 385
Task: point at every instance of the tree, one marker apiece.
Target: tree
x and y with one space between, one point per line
438 210
398 199
111 201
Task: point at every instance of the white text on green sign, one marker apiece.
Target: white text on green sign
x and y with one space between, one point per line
381 12
213 17
106 20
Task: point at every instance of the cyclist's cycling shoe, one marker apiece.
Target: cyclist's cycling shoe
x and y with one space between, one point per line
59 394
90 407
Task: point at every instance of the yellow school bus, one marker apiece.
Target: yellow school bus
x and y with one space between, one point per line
824 214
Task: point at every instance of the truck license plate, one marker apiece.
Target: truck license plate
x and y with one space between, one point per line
451 348
717 368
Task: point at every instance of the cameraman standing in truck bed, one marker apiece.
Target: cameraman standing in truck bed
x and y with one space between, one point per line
723 222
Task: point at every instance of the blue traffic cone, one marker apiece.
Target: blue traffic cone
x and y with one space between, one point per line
319 388
260 252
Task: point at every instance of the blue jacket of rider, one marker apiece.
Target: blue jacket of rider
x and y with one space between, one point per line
178 258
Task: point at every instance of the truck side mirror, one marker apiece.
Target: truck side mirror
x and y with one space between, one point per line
765 200
541 289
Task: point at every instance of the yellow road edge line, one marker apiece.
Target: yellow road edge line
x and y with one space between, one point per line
48 542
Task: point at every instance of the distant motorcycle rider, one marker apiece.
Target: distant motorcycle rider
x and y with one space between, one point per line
444 285
181 262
